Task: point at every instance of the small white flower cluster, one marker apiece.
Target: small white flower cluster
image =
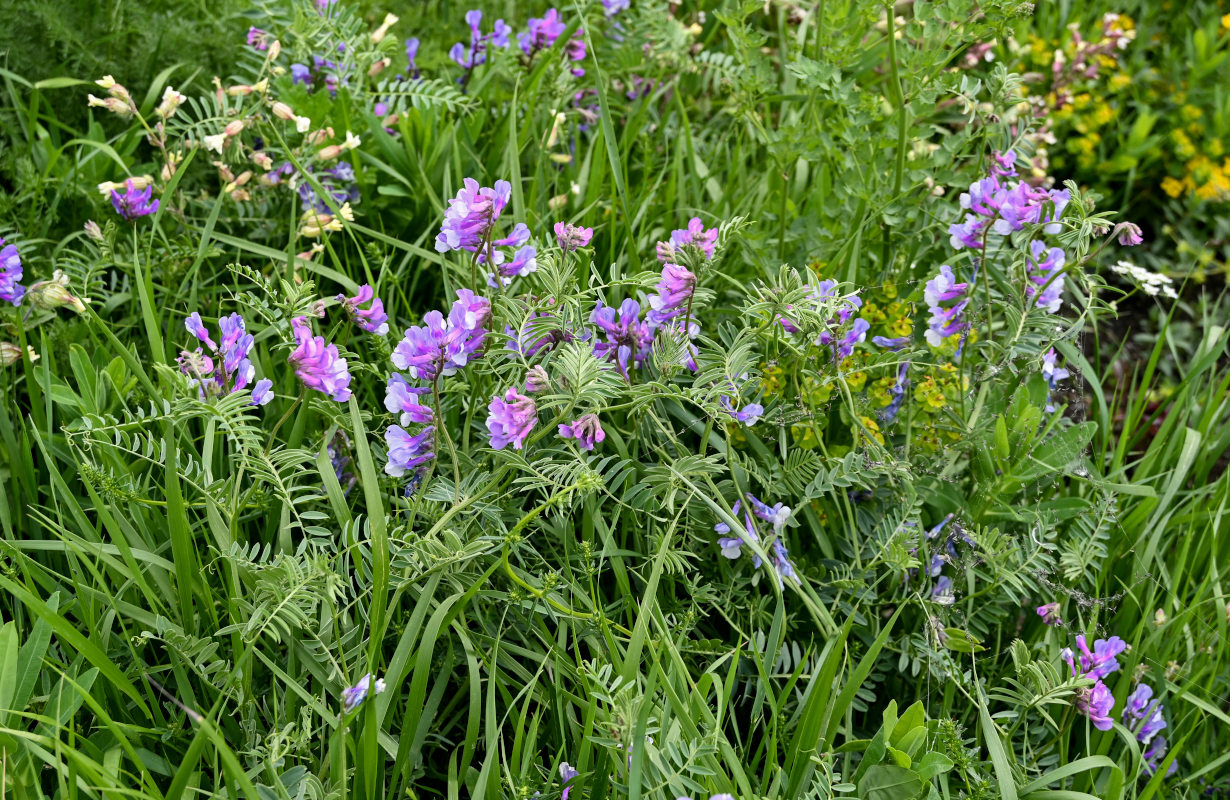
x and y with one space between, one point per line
1151 283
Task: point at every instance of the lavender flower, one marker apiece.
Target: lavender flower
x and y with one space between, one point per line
571 237
674 292
782 563
945 321
11 291
587 430
1003 165
372 319
537 380
575 51
229 369
943 593
407 452
511 419
1053 375
613 7
443 346
258 38
695 235
566 774
353 696
471 215
403 399
133 203
899 343
476 53
1143 715
732 546
337 182
967 233
1050 614
1155 753
1100 662
542 32
1128 233
1096 703
629 340
412 52
749 414
524 261
898 390
1044 267
317 364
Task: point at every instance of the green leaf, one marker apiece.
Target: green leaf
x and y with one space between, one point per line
887 782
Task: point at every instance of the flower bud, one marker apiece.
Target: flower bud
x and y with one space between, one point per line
283 111
215 142
1129 234
10 354
275 50
93 231
106 82
378 35
171 101
537 380
262 160
378 67
330 152
318 137
233 128
112 104
52 294
240 90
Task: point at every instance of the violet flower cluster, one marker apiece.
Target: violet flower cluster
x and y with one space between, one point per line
318 364
371 319
11 290
134 203
470 56
513 416
993 205
469 224
1097 701
1053 375
629 340
748 413
947 299
776 515
1143 717
337 181
586 430
226 369
353 696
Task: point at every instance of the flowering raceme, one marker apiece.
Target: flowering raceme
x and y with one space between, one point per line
695 235
945 320
444 345
776 515
512 418
353 696
629 340
228 368
572 237
11 290
1044 266
587 430
134 203
541 32
408 452
318 364
476 53
372 319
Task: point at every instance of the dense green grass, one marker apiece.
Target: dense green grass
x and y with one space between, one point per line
189 584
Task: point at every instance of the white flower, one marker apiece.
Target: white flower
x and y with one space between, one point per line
302 124
215 142
352 141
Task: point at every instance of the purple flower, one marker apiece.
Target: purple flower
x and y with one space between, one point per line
777 514
899 343
1052 373
749 414
942 593
571 237
353 696
968 233
1050 613
469 57
945 322
695 235
402 398
732 546
844 346
1044 267
1102 661
1128 233
372 319
471 215
575 51
412 52
674 291
299 73
1096 703
566 774
613 7
317 364
442 346
337 182
1143 715
134 202
984 197
587 430
537 380
897 391
511 419
1155 754
407 452
11 291
229 369
524 261
542 32
258 38
1003 165
781 563
629 340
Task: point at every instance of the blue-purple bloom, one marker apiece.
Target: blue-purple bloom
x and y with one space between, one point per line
1053 375
134 203
570 237
512 418
1096 703
898 343
442 346
11 290
674 292
1050 614
942 592
318 364
471 216
897 391
695 235
228 368
371 319
353 696
629 340
613 7
749 413
338 182
1044 267
945 320
258 38
542 32
566 774
777 515
408 452
412 52
587 430
1143 717
403 399
1005 208
476 53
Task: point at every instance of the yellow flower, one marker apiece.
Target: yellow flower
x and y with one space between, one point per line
1190 112
1172 187
880 391
817 393
1120 81
855 378
771 379
872 313
1225 21
872 427
930 394
804 436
